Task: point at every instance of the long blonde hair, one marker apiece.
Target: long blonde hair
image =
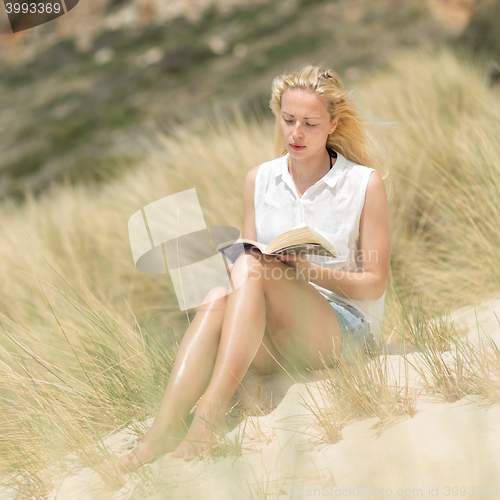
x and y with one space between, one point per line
349 137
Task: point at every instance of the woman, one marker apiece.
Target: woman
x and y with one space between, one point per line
286 312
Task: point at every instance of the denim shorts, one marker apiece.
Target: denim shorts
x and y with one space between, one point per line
354 327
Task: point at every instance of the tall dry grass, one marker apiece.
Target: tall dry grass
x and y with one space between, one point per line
88 341
442 142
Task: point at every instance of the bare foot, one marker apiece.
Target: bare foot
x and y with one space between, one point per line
201 435
159 439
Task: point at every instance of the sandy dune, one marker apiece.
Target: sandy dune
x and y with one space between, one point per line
285 454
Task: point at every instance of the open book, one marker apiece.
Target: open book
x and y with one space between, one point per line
295 241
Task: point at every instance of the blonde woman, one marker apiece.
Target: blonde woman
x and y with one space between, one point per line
288 311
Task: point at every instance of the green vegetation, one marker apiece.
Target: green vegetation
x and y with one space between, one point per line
79 98
482 34
29 163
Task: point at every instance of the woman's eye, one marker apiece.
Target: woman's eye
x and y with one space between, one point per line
291 121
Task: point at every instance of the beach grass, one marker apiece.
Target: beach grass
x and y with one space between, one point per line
88 341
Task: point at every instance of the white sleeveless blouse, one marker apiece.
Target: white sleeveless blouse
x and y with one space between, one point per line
332 207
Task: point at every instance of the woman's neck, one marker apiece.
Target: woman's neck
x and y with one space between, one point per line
310 169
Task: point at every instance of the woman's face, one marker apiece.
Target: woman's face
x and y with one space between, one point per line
305 123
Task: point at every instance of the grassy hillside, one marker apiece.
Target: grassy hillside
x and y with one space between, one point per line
442 132
85 336
482 34
74 113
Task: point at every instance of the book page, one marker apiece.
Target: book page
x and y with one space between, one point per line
309 248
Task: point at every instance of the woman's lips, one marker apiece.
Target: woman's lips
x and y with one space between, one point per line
297 148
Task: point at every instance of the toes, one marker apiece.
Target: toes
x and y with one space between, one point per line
183 451
131 461
128 462
180 451
176 453
189 455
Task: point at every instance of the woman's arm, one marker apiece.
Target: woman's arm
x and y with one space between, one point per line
249 230
375 246
375 237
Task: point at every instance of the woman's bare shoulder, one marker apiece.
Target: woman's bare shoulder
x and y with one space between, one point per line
375 188
250 178
252 174
249 230
266 169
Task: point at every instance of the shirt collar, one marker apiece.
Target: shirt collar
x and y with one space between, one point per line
330 178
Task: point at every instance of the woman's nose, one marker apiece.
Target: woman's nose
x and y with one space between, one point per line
297 131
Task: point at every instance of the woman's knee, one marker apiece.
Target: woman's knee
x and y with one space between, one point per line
256 264
249 265
216 294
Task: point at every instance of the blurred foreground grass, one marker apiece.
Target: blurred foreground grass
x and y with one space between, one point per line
88 341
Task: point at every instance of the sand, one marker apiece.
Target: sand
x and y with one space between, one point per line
285 454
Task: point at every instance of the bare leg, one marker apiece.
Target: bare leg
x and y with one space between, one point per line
242 333
189 378
298 317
